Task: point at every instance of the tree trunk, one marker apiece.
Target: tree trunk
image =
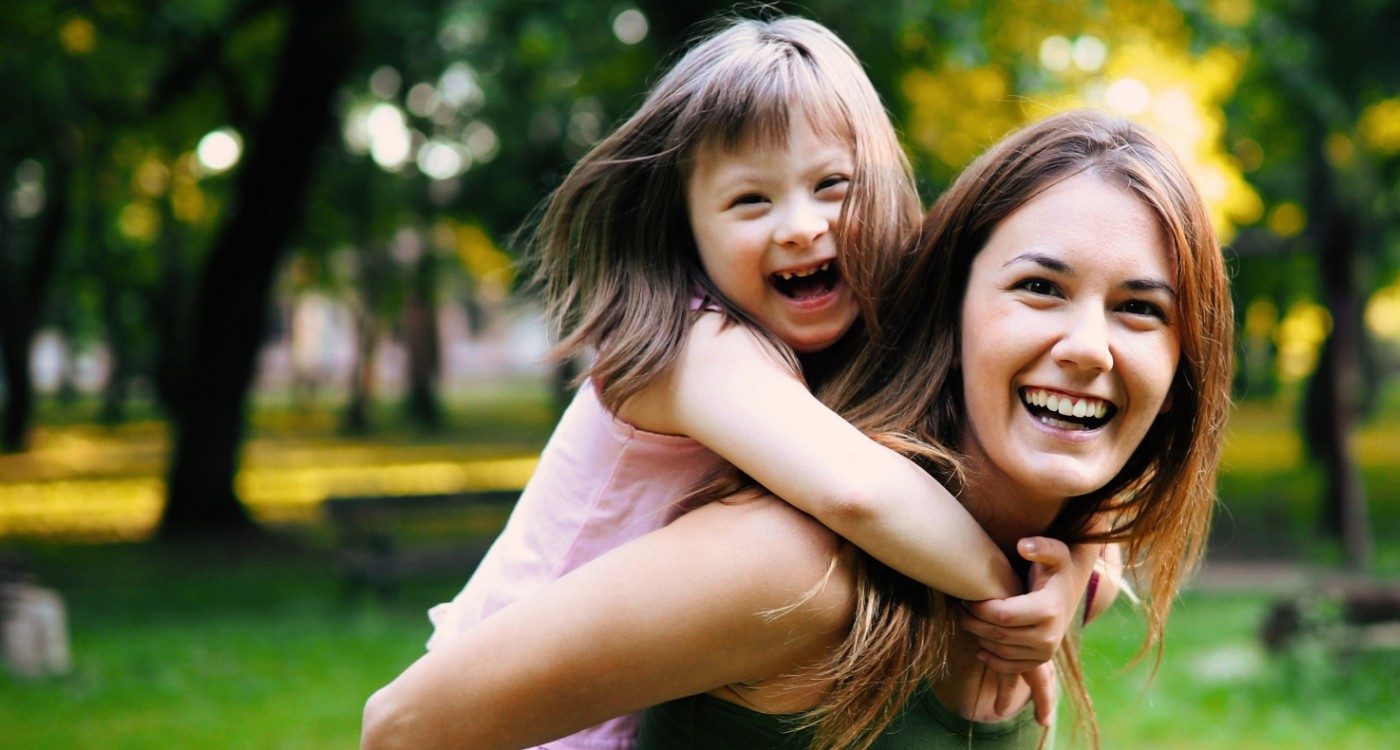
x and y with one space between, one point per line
421 340
1333 397
362 379
167 308
22 297
230 313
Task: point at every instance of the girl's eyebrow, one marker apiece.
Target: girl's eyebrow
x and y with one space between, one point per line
1058 266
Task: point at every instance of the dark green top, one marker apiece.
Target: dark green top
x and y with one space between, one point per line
704 722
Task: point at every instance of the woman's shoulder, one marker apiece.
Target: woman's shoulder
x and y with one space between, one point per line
793 564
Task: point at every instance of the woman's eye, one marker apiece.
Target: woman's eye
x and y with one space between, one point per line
1039 286
1144 308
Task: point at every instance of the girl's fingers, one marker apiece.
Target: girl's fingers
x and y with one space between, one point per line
1029 609
1052 553
1007 666
1011 652
1034 639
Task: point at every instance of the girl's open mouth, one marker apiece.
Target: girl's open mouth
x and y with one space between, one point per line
807 284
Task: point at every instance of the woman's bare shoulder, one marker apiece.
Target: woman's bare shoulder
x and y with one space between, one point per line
790 559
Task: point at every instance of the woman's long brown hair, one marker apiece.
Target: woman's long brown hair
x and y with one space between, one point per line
904 389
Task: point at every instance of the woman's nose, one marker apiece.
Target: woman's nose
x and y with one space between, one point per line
1084 344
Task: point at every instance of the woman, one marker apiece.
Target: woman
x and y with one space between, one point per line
1057 347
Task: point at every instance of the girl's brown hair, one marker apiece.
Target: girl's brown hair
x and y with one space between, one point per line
613 246
904 388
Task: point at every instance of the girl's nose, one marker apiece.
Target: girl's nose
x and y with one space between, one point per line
800 225
1084 343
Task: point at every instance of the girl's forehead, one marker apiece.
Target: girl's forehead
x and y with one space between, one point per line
761 135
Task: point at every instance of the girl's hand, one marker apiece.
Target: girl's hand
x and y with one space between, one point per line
1020 635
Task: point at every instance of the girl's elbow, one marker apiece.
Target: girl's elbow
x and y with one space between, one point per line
848 509
386 722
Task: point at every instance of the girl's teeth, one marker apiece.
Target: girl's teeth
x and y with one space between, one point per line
1053 403
787 275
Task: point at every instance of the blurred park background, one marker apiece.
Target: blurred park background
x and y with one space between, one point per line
255 254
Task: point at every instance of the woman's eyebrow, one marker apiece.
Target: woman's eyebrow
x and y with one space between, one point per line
1058 266
1040 259
1149 285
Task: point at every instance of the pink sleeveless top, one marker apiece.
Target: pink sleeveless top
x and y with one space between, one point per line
600 483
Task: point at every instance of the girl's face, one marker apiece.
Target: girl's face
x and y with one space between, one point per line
1069 340
765 222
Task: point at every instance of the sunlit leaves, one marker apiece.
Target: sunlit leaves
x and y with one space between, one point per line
78 36
1380 126
1133 57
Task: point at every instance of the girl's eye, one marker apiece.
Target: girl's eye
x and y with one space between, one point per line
1144 308
834 181
748 199
1039 286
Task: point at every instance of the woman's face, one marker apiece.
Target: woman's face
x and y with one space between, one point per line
1069 340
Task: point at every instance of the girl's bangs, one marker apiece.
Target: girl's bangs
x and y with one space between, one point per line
752 106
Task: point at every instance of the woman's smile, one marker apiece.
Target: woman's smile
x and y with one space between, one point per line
1068 348
1067 411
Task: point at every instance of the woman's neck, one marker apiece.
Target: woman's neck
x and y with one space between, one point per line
1006 510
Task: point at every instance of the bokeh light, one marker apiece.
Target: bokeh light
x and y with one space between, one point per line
219 150
481 141
1128 96
630 26
390 142
1056 53
442 161
1299 337
78 36
1089 53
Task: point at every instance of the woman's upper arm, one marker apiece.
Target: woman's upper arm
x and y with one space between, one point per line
678 612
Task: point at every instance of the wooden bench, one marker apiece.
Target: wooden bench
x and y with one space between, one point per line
382 541
1357 615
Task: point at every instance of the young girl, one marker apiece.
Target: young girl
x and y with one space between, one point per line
736 218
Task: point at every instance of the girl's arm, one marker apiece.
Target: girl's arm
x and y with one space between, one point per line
678 612
729 391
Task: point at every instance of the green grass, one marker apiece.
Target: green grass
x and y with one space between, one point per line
206 648
1217 687
184 647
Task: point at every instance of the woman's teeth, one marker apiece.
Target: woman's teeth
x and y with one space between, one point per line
1070 407
1062 424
